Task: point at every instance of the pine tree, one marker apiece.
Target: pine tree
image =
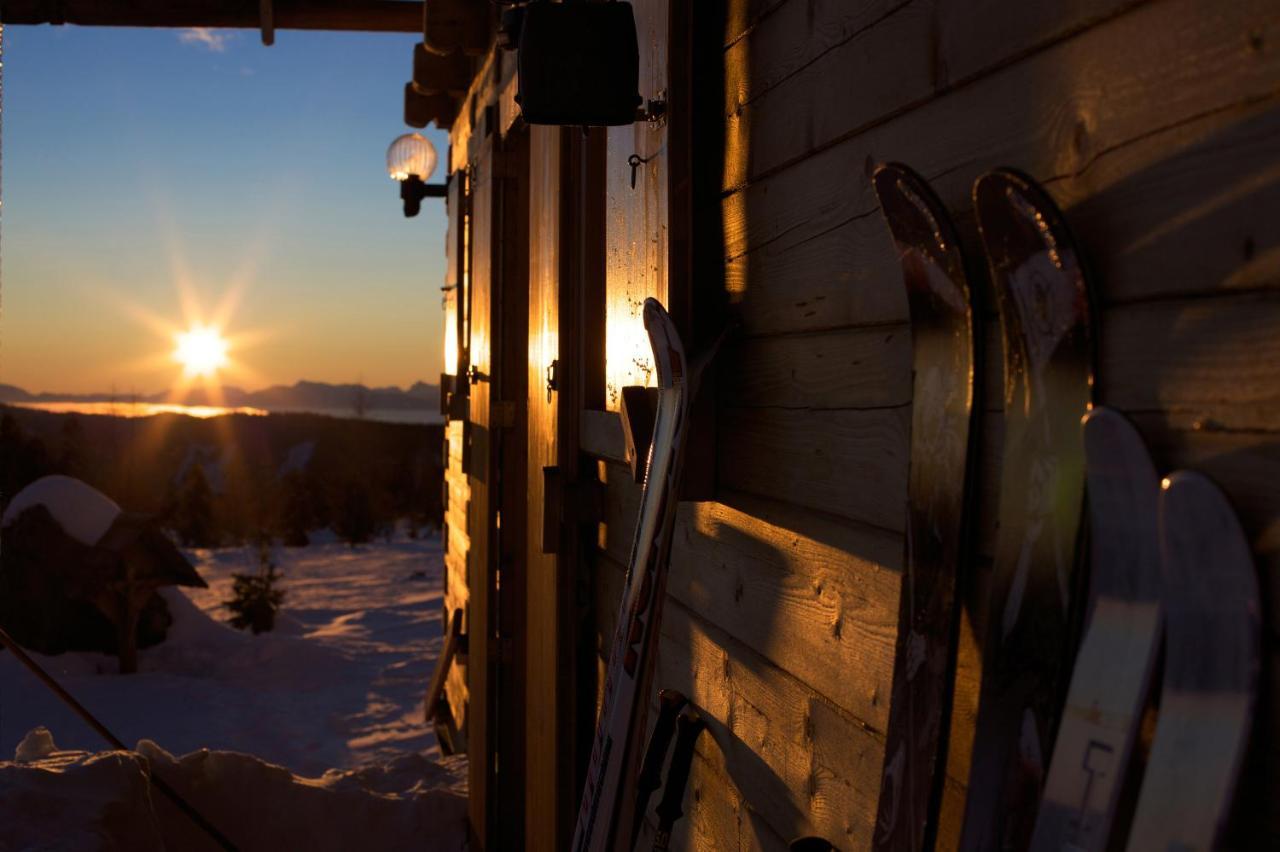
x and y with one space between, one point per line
255 600
71 447
193 514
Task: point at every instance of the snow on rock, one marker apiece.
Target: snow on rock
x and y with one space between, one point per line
36 744
52 799
83 512
76 800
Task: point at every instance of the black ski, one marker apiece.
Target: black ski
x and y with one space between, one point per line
670 703
688 727
1046 320
939 480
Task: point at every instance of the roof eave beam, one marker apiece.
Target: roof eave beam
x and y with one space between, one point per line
401 16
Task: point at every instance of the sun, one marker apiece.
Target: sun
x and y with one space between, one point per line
201 351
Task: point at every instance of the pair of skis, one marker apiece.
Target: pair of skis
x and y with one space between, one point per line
1048 337
611 774
1168 558
1048 342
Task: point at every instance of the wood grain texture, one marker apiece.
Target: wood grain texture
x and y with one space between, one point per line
1172 213
847 463
1063 119
811 595
543 699
636 217
789 79
601 435
481 506
857 368
804 766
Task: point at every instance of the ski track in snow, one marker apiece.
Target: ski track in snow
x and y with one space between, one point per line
337 684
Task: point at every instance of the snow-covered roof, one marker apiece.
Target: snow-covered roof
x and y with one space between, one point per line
83 512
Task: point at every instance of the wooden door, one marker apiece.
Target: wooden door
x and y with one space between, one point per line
481 515
497 336
544 697
451 729
565 374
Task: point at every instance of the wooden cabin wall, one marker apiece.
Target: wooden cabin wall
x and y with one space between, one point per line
456 490
1154 125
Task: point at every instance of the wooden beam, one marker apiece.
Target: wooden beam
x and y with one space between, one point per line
404 16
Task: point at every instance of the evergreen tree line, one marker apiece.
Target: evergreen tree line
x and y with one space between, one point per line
219 484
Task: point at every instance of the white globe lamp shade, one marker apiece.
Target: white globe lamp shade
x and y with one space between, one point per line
411 155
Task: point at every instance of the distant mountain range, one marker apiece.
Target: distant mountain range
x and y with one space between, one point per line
303 396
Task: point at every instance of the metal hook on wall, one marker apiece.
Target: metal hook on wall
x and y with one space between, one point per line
635 161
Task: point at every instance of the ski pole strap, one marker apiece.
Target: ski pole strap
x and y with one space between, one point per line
688 726
114 741
670 703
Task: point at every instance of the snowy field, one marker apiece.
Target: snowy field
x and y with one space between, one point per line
338 684
333 695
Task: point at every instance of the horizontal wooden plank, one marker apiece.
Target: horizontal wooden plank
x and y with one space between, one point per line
1172 214
798 761
742 16
977 35
600 435
791 39
845 368
833 71
1055 111
843 276
1218 358
846 463
785 98
366 15
816 597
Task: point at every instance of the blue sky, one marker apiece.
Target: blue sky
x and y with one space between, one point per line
137 159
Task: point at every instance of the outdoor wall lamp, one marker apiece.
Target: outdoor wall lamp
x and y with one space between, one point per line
411 159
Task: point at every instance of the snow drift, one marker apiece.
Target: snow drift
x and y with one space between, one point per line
71 800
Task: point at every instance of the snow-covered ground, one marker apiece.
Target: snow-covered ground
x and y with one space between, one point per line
333 694
338 684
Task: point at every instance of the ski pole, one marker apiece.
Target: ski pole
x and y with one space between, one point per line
670 809
112 740
670 703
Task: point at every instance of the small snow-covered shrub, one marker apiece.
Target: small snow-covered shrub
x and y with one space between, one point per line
255 599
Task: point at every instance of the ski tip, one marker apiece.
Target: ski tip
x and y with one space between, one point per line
914 213
664 339
1204 547
1110 435
1008 202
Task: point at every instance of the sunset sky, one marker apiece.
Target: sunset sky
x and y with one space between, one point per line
139 164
